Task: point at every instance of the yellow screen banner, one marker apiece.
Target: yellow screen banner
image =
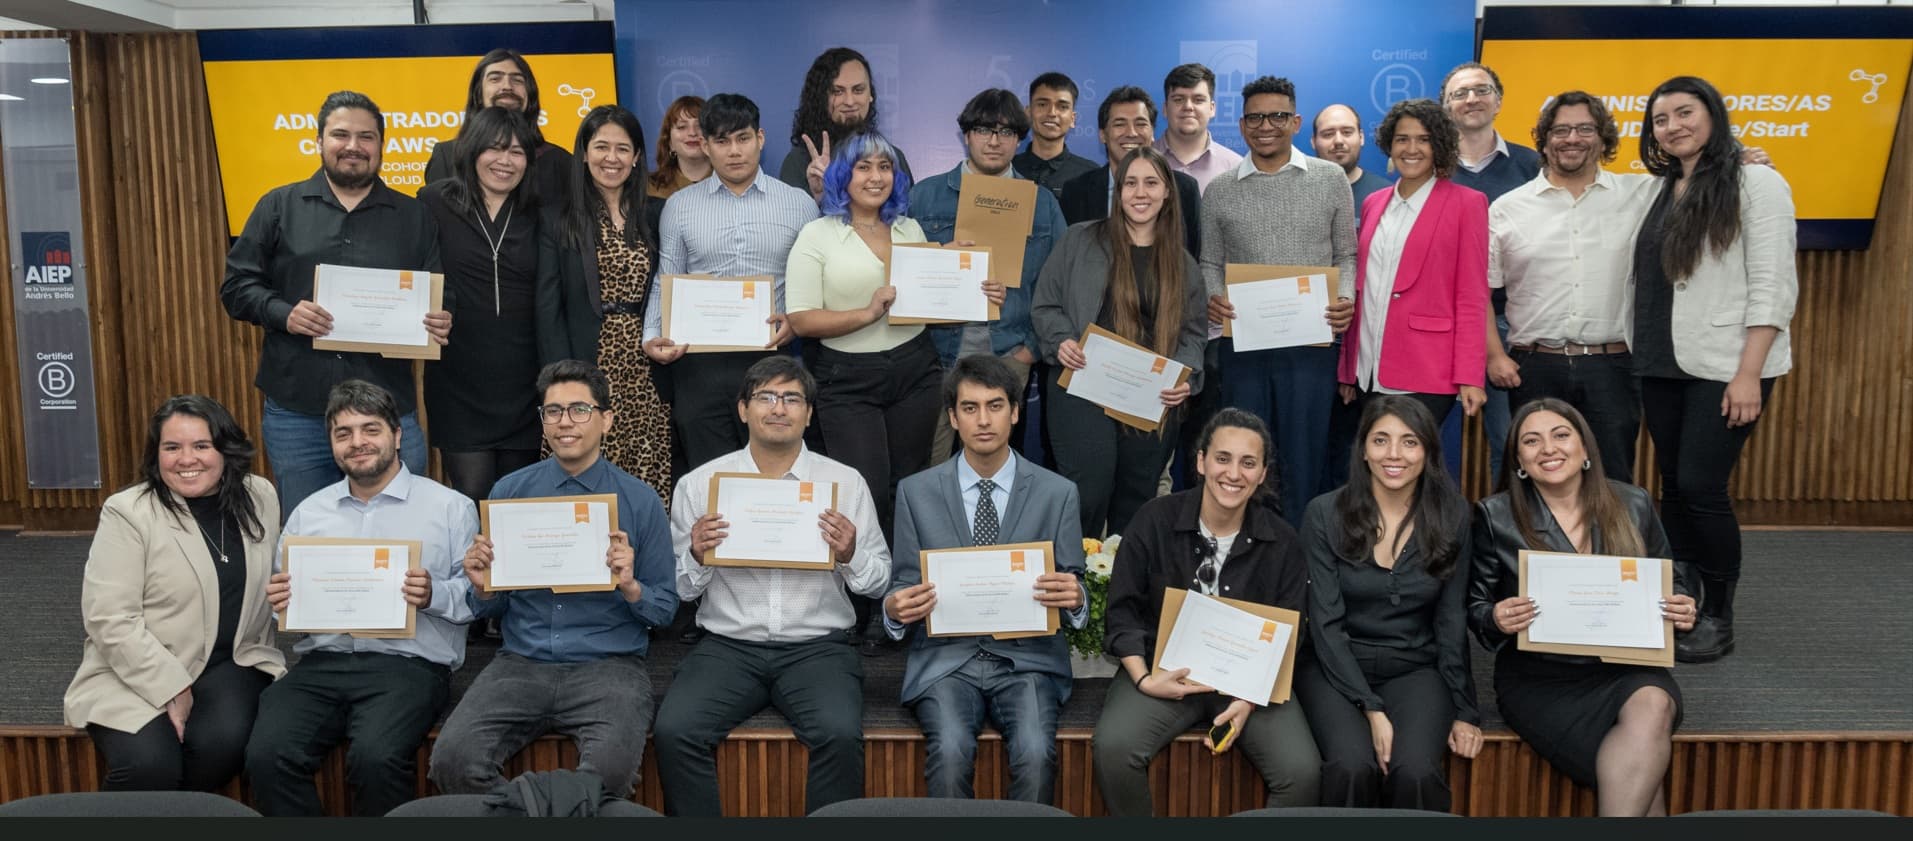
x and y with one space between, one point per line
1824 109
264 111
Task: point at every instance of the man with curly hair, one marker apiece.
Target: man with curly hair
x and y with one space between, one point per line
839 99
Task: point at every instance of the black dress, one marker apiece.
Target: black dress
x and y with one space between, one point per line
478 395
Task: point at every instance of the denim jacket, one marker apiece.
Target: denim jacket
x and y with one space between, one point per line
933 203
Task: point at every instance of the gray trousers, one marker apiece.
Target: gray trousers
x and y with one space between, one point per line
1135 727
603 705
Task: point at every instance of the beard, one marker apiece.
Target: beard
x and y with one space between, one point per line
838 129
378 468
351 181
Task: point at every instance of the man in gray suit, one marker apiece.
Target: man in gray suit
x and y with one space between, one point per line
988 496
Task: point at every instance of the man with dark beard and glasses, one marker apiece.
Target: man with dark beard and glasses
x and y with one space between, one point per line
342 215
839 99
503 78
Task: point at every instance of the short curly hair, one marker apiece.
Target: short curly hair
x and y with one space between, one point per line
1442 133
1609 131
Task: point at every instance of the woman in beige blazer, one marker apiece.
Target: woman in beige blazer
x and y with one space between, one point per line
178 636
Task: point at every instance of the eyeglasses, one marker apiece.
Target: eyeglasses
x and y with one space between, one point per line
1208 570
580 412
1000 132
1257 118
1483 91
790 399
1582 129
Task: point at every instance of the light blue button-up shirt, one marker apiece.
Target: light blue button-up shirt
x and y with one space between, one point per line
707 229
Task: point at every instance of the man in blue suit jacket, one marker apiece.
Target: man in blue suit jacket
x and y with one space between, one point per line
986 496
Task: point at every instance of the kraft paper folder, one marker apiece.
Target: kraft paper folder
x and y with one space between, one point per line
996 311
713 559
1139 422
485 527
1284 678
998 213
1663 656
431 350
414 547
669 280
1249 273
1048 551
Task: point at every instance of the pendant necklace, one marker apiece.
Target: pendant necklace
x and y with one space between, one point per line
498 307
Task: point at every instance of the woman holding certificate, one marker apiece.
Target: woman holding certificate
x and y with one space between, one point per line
1421 268
1714 289
1127 274
1606 725
178 637
478 395
1386 683
596 257
1222 539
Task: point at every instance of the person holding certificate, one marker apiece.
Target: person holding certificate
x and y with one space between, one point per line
1221 538
584 651
986 496
1386 683
773 637
178 643
1608 726
380 695
1127 275
1421 296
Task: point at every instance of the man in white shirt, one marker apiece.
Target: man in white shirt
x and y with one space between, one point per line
773 637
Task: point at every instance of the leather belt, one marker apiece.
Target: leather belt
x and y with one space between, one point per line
1572 349
622 308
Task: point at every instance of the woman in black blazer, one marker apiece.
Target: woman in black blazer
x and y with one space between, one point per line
1385 682
1608 726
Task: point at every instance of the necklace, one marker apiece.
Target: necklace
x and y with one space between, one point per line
872 227
219 550
498 306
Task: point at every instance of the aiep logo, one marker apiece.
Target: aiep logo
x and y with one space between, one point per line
49 257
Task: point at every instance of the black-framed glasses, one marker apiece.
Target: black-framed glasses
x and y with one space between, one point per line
1208 570
580 412
790 399
1255 119
1583 129
1002 132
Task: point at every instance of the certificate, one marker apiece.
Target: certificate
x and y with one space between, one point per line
378 311
1124 378
1598 605
773 522
1238 652
989 590
998 213
557 543
939 285
349 586
1277 308
718 314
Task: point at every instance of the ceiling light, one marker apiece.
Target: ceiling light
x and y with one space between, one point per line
7 97
49 80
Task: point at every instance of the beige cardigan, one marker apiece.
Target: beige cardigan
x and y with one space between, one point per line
151 606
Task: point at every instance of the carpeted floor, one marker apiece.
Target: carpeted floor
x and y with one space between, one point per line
1823 629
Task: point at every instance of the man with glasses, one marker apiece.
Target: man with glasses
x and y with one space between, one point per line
1281 207
773 637
1125 122
1189 103
572 663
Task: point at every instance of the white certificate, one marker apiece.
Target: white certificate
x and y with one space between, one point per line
719 313
1234 651
374 306
773 522
557 543
1124 378
347 587
1280 312
1596 600
939 284
986 591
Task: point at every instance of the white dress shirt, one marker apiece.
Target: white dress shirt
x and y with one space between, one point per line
1378 280
1565 261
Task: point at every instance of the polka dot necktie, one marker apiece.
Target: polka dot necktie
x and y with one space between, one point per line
986 526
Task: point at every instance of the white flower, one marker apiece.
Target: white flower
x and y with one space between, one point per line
1101 563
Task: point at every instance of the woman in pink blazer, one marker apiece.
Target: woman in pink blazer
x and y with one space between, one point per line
1421 290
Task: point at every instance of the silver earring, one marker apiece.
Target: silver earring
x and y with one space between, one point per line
1521 473
1586 464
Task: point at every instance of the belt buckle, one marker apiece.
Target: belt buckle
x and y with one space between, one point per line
1586 350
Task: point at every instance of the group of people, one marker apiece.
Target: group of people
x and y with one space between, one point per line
1312 478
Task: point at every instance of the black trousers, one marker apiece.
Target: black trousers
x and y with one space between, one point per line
878 412
1602 386
1116 467
383 704
473 472
704 408
1696 453
1419 709
225 698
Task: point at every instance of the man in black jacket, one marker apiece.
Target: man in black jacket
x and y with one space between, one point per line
1125 122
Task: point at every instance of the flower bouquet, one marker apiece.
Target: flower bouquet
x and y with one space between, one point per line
1087 642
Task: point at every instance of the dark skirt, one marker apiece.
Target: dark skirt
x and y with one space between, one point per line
1564 709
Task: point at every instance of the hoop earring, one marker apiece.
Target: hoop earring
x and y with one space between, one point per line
1586 464
1520 473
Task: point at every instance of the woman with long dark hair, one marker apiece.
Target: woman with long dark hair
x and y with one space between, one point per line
1608 726
1128 274
597 259
178 635
1714 289
682 160
1386 683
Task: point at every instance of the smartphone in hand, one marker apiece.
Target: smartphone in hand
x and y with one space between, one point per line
1221 736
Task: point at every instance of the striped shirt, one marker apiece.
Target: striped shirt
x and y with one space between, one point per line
707 229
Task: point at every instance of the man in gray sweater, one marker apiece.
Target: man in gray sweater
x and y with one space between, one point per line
1281 207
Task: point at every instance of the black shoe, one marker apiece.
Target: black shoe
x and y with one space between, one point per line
691 635
872 645
1710 640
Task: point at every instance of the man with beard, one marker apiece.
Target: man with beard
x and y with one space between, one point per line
1338 139
503 78
342 215
380 695
1125 122
839 99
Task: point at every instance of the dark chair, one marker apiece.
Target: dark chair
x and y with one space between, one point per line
127 804
473 806
1338 812
937 807
1786 813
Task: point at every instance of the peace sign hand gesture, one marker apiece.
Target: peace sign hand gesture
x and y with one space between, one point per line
819 159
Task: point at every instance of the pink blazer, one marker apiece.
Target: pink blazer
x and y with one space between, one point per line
1435 340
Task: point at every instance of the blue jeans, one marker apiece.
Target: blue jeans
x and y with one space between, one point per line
1293 391
1022 705
1494 419
301 453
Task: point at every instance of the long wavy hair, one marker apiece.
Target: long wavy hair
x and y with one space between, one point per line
667 170
584 203
475 92
1443 136
231 442
1125 300
1436 508
812 117
1707 215
1601 508
864 146
491 128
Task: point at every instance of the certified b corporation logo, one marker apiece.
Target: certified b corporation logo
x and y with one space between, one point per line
56 379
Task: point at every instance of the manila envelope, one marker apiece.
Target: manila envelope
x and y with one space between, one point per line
1137 421
998 213
1048 551
1249 273
1172 606
1662 657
